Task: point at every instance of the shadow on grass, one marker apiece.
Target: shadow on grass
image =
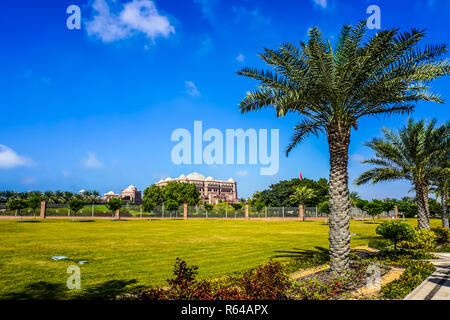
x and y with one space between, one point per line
43 290
106 290
296 253
84 221
29 221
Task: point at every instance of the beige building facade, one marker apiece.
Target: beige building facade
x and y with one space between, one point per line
130 194
211 190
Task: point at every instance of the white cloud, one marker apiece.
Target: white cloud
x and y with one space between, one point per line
191 89
240 57
321 3
91 161
137 16
10 159
65 173
242 173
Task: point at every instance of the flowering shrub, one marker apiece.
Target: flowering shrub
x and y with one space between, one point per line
421 239
264 283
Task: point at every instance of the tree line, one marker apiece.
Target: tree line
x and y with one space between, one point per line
53 197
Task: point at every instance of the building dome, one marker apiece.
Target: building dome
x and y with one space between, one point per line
168 179
230 180
110 193
195 176
182 177
82 191
130 188
209 178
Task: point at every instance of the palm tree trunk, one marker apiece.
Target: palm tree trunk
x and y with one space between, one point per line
422 215
339 234
425 200
444 209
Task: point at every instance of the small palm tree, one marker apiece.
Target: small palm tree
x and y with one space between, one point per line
95 196
49 197
300 196
354 198
59 196
409 154
333 88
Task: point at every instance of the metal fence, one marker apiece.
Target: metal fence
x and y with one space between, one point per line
226 212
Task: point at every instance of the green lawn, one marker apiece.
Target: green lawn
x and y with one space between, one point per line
127 254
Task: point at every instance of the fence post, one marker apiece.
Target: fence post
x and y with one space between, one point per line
396 212
141 210
265 212
226 212
316 211
300 212
43 207
185 209
283 212
93 208
246 211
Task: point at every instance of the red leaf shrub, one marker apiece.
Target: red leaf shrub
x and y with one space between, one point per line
266 282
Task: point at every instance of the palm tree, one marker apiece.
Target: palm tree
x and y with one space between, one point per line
67 196
95 195
409 154
49 197
302 195
354 198
441 179
59 196
333 89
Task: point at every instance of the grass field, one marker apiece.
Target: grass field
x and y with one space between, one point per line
123 255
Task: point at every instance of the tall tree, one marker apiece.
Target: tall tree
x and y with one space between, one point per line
408 154
333 89
34 202
441 179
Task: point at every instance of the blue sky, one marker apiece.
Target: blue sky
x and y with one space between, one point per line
95 108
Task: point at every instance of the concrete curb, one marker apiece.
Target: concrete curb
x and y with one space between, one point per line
437 285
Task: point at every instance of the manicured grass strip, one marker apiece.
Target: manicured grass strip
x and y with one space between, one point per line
126 254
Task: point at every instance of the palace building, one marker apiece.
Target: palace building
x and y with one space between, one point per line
130 194
211 190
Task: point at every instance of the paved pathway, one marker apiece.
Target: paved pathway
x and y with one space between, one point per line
437 285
